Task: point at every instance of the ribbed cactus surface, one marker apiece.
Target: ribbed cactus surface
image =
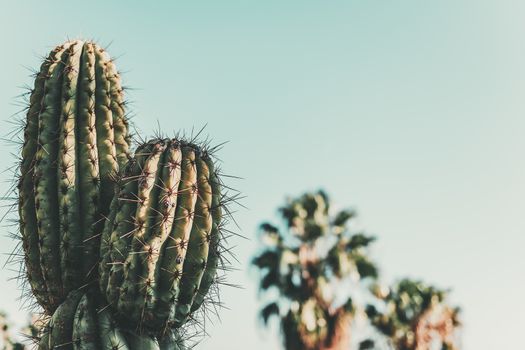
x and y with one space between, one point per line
119 251
75 139
160 246
78 324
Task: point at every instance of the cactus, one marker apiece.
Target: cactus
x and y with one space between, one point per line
307 263
75 139
160 248
414 316
119 252
78 324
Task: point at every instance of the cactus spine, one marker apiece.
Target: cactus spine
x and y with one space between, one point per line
161 253
75 139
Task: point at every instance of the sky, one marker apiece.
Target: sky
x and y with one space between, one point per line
410 111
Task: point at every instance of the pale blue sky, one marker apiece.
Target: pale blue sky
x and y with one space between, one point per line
410 111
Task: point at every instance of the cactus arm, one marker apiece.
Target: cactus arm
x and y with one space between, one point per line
45 180
167 214
198 245
69 157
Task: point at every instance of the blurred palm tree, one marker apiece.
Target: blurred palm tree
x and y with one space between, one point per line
7 342
414 316
312 265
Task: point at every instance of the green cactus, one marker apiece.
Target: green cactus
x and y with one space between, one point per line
75 139
160 248
78 324
306 264
118 251
413 316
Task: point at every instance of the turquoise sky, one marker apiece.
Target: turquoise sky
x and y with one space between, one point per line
412 112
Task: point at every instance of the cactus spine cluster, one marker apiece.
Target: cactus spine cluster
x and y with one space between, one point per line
161 253
75 140
119 250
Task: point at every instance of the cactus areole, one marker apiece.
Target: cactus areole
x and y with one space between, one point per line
160 252
75 140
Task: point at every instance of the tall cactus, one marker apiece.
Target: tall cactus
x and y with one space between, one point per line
307 264
414 316
161 252
75 139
